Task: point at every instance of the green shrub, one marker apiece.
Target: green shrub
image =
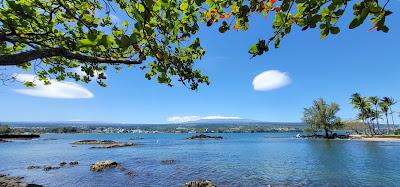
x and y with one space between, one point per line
5 129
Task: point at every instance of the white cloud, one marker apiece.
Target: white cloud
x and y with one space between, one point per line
270 80
60 90
183 119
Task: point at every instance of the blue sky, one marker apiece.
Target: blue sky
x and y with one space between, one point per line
334 68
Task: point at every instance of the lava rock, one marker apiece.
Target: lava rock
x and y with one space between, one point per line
73 163
62 164
102 165
199 183
204 137
168 161
94 142
8 181
115 145
33 167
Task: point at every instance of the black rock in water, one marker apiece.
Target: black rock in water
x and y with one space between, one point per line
204 137
15 182
199 183
168 161
19 136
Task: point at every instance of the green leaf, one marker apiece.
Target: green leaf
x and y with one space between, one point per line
253 49
125 41
85 43
335 30
324 33
183 6
29 84
355 23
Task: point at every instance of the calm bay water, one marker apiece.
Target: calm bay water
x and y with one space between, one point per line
238 160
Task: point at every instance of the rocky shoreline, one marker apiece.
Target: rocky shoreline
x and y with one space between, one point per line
19 136
204 137
115 145
375 138
104 144
8 181
4 141
83 142
315 136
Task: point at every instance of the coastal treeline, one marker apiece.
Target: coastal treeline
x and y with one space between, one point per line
373 109
375 116
248 128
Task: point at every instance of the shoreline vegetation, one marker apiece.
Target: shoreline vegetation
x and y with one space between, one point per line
217 128
357 137
321 116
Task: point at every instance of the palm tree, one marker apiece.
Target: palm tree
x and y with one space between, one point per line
374 100
385 109
322 116
390 102
363 106
370 117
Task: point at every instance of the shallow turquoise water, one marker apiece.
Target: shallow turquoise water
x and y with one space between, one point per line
238 160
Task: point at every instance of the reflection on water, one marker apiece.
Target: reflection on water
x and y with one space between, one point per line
237 160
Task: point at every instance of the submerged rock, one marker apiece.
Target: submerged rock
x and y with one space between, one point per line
94 142
48 168
62 164
73 163
102 165
204 137
115 145
199 183
8 181
49 139
136 138
168 161
121 168
33 167
130 173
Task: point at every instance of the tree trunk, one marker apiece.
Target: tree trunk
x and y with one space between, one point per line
387 122
326 133
391 113
373 126
377 119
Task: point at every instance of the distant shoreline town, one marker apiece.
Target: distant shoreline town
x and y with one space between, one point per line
143 129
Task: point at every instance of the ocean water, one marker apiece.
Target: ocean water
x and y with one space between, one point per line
259 159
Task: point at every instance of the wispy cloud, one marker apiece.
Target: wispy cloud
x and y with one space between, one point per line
183 119
270 80
59 90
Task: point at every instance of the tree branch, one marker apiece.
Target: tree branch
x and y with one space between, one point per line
24 57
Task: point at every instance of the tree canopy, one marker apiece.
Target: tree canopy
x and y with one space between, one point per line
322 116
51 37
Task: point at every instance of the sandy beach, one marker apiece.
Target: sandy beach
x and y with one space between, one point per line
377 138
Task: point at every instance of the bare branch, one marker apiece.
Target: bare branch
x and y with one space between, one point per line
27 56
